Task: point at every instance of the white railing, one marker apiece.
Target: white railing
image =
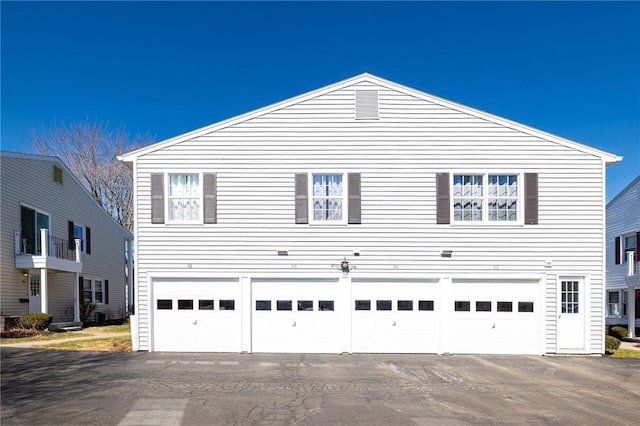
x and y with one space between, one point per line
47 246
632 265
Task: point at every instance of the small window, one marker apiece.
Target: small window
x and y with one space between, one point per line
57 174
227 305
505 307
525 306
425 305
98 291
305 305
325 305
263 305
205 304
613 303
363 305
483 306
383 305
462 306
185 304
165 304
327 198
405 305
284 305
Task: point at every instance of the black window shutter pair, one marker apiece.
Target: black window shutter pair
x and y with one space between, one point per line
87 238
443 203
354 208
209 189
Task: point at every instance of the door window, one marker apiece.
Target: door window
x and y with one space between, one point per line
570 293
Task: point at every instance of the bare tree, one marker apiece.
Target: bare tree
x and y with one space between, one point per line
89 149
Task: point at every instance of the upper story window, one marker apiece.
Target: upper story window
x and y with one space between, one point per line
189 198
630 244
624 246
78 234
486 197
327 198
184 197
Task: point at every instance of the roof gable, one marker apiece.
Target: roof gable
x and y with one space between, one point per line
634 183
607 157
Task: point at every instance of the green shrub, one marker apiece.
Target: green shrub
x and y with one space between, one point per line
611 344
36 321
619 332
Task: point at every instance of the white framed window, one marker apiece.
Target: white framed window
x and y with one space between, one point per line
629 244
94 291
486 198
184 201
328 200
79 233
613 303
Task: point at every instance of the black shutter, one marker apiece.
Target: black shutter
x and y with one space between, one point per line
106 292
531 198
72 240
157 198
302 198
210 197
87 240
81 289
443 204
355 202
637 259
617 251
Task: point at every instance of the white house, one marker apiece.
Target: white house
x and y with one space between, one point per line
623 255
367 216
59 247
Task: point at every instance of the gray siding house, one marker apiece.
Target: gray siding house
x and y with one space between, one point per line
58 247
623 258
367 216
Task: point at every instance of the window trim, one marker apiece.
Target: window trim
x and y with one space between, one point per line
91 282
485 173
82 239
167 201
345 197
618 303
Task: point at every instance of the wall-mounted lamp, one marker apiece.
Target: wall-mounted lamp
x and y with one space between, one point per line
25 274
446 253
344 267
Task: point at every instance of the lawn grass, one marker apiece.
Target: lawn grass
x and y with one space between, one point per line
109 344
626 353
121 328
43 337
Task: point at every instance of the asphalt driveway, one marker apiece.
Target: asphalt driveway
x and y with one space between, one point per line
44 387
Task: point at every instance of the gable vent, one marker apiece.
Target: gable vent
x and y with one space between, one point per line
366 104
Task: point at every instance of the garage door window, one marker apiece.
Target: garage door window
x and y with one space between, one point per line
227 305
284 305
483 306
363 305
325 305
462 306
525 306
263 305
305 305
425 305
185 304
405 305
383 305
205 305
505 307
164 304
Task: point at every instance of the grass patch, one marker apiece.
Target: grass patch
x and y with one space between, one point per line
110 344
121 328
626 353
43 337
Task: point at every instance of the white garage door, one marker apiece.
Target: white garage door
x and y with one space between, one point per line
196 316
495 318
395 317
296 316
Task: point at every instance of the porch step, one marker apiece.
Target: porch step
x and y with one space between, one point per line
65 326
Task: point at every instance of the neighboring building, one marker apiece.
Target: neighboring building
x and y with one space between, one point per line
58 246
469 233
623 256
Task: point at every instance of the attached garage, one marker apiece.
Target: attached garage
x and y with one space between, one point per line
196 315
495 317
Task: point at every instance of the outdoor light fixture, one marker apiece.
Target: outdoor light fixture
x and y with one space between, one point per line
344 267
25 274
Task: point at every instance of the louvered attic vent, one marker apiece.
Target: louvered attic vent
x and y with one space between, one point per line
366 104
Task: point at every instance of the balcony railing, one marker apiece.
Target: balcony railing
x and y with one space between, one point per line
632 265
53 246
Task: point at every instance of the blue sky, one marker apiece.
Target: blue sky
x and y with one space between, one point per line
166 68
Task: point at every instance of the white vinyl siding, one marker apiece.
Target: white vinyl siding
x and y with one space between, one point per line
399 154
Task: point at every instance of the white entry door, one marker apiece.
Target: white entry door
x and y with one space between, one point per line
35 302
571 315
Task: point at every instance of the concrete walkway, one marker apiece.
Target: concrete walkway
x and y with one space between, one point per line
36 343
630 345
